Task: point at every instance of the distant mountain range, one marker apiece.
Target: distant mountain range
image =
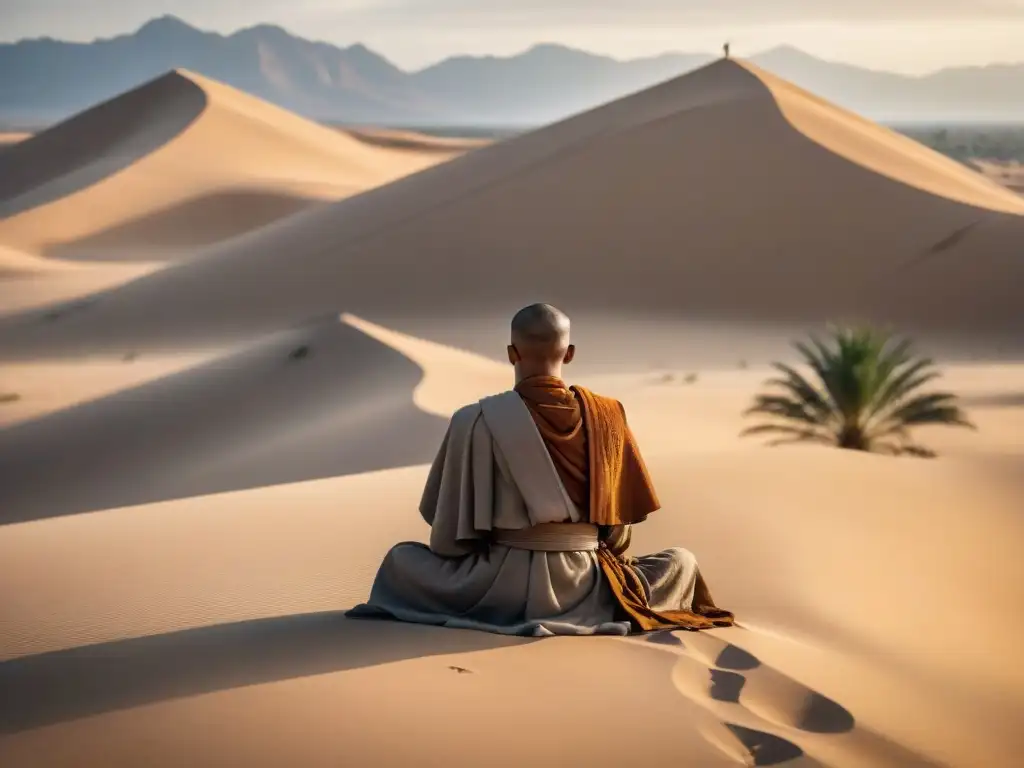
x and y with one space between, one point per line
45 80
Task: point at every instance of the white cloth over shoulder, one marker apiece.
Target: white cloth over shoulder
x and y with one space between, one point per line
493 471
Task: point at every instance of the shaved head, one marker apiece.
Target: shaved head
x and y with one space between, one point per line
540 341
540 330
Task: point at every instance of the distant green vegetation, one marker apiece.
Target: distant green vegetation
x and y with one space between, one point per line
966 142
862 391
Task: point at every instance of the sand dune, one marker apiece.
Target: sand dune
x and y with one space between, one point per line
180 532
713 196
174 231
16 264
34 390
28 281
56 287
195 432
118 176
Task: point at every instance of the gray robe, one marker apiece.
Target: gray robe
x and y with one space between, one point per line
493 471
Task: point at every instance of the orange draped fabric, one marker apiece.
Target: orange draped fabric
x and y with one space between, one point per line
593 450
597 458
559 419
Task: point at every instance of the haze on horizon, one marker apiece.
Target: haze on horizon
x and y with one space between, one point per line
914 36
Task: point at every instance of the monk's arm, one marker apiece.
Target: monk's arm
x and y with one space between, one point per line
644 499
458 483
432 488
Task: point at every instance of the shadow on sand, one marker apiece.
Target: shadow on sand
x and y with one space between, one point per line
66 685
264 416
200 221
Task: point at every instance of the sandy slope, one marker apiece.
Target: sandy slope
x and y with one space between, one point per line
213 428
52 288
16 264
9 139
28 281
876 631
37 389
711 196
178 531
180 161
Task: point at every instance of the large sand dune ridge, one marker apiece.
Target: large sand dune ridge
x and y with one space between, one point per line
179 161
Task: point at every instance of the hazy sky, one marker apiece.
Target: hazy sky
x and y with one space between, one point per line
902 35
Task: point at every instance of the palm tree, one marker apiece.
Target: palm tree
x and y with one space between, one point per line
864 395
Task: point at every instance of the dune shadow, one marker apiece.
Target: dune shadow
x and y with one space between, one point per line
97 143
199 221
66 685
263 416
664 637
954 238
767 749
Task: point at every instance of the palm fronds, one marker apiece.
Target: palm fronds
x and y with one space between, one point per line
862 393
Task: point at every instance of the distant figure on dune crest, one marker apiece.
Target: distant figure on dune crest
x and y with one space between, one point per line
726 49
530 502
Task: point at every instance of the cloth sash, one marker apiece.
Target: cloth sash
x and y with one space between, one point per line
550 537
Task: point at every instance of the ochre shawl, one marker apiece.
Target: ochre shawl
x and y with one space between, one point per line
593 450
597 458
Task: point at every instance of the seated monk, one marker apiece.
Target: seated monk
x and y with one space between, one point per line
530 502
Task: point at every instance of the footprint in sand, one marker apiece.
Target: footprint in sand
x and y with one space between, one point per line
737 677
748 746
711 670
721 654
734 685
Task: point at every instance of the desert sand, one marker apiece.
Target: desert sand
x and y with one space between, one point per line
203 462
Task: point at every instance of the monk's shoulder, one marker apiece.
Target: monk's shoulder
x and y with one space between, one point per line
611 402
467 414
607 404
